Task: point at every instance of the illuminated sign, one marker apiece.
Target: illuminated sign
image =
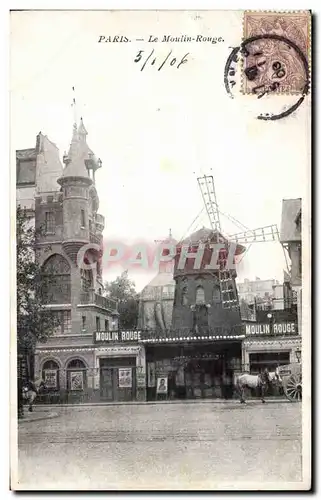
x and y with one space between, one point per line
271 329
117 336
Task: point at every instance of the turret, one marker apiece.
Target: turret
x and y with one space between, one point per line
75 183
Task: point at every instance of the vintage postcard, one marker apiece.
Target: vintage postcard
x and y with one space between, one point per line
160 205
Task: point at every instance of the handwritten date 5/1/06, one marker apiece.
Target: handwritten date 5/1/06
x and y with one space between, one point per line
151 59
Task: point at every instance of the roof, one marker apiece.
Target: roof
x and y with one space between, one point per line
79 153
81 129
290 230
26 154
204 235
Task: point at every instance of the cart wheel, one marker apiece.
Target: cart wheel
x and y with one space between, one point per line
293 389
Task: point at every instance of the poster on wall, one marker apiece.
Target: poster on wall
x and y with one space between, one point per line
162 385
76 381
124 377
151 376
50 378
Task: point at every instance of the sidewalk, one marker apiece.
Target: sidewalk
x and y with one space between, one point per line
227 402
36 416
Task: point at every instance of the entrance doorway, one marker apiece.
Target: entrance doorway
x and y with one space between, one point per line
117 379
204 378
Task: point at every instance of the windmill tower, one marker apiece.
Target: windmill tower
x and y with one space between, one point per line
206 297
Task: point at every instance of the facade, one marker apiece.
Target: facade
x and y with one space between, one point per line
64 201
274 338
201 352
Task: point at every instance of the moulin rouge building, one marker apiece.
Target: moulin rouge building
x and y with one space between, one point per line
189 327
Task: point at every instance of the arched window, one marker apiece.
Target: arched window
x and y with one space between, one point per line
56 280
184 296
76 375
50 374
200 295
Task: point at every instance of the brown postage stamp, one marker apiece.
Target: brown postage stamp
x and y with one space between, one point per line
276 48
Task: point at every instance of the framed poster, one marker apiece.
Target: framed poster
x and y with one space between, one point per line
162 384
151 375
76 381
50 378
124 377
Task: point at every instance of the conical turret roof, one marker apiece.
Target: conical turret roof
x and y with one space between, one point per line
80 156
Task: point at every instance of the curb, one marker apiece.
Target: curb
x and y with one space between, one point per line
172 402
27 420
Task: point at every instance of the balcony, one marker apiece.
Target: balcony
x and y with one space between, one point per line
91 298
100 222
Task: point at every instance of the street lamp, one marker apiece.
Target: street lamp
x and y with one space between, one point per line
298 354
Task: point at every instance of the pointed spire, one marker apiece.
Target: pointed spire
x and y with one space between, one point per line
77 155
82 132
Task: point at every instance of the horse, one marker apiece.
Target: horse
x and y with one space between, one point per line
31 390
262 381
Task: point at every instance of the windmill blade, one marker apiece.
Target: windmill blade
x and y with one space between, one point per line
261 234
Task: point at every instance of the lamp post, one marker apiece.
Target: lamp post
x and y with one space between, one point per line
298 354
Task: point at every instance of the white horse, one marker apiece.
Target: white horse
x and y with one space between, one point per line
31 390
261 381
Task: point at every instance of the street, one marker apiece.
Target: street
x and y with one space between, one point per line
162 446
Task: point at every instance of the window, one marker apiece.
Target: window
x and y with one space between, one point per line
106 325
66 324
62 322
50 374
50 222
86 279
97 323
216 294
200 295
83 322
76 375
270 360
83 221
56 287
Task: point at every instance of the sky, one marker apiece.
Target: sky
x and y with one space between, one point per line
157 131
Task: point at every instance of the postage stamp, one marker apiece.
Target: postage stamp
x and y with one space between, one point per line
276 50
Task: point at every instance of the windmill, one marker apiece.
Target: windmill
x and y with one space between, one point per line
246 237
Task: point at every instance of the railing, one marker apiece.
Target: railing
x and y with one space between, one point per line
90 297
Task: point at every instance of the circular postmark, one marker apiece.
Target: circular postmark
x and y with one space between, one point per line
271 64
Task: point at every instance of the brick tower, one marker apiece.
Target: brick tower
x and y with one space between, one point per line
198 304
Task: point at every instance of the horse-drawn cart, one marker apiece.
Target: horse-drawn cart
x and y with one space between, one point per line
292 381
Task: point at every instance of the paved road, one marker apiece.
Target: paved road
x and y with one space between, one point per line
162 446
